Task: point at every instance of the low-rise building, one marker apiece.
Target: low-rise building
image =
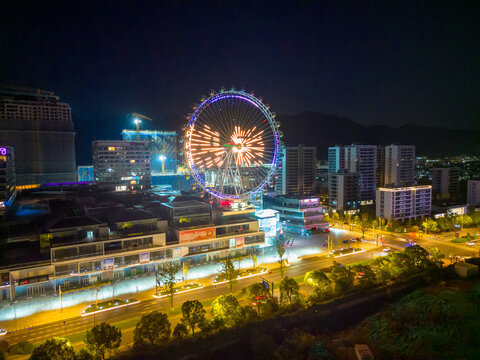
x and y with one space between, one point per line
300 214
399 204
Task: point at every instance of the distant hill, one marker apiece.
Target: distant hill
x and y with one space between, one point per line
309 128
322 131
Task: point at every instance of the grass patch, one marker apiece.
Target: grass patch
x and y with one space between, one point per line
242 273
190 286
104 305
463 239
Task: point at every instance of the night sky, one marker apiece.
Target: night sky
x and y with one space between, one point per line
375 62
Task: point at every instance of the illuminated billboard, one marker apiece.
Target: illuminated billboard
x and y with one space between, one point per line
189 236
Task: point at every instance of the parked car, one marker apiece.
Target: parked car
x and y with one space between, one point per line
387 249
345 241
470 243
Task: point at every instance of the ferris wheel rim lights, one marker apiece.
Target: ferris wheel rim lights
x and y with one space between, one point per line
241 95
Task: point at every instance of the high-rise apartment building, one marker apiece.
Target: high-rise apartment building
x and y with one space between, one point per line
473 192
399 204
162 146
298 173
445 182
40 130
359 159
399 169
123 164
7 177
343 190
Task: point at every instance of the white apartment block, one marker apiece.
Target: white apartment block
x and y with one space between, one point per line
404 203
473 192
399 165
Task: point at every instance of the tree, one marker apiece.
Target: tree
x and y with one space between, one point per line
341 277
418 257
289 289
281 252
254 260
154 328
336 216
224 307
374 224
186 267
166 278
84 354
229 273
193 314
103 338
365 274
54 349
180 331
256 293
437 255
363 227
317 278
429 225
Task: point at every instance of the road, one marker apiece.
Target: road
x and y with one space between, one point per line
308 247
80 324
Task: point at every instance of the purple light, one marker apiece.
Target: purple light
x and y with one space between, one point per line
3 151
266 113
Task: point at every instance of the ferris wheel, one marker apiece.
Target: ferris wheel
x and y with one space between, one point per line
232 144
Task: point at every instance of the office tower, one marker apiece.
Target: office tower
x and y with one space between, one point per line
123 164
343 190
473 192
399 165
298 173
404 203
445 182
40 129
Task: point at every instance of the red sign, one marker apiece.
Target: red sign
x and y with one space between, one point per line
189 236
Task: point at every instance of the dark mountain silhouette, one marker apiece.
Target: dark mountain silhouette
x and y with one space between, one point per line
309 128
322 131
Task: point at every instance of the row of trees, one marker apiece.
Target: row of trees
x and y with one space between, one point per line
382 270
365 221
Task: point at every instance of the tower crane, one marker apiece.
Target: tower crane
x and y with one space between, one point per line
136 119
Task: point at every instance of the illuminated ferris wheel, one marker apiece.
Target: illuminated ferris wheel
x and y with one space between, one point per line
232 144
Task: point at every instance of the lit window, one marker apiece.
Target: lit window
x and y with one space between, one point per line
111 148
132 161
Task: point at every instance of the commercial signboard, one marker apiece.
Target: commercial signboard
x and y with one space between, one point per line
240 242
144 258
189 236
108 264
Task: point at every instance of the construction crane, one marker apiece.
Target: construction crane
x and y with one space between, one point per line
136 119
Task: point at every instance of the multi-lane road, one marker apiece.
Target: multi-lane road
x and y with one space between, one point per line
78 324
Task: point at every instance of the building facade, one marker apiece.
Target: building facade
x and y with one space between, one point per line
163 149
85 173
40 130
298 172
7 178
445 182
473 192
343 190
359 159
399 165
123 164
400 204
299 214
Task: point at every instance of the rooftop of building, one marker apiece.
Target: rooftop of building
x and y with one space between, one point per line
75 222
25 93
131 214
184 204
407 188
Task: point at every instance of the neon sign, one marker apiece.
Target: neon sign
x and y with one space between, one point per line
3 151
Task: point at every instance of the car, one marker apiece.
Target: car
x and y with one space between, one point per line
345 241
353 240
387 249
3 332
470 243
